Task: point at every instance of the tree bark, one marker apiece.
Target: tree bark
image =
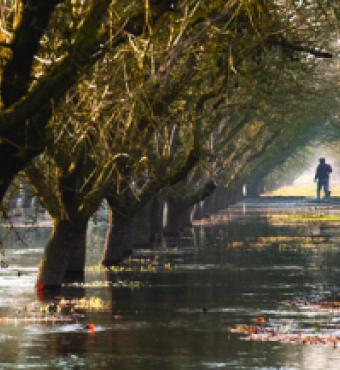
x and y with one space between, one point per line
118 241
253 190
75 270
156 219
142 226
64 253
219 200
198 211
25 44
208 205
177 218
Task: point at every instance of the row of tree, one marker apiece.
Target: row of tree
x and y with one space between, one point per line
141 103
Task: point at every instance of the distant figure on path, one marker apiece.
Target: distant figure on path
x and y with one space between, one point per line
322 177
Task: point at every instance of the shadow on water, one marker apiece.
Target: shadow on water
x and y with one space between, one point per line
169 306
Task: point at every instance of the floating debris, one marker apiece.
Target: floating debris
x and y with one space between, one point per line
42 319
3 264
62 311
285 331
132 284
276 334
91 327
328 305
86 304
146 264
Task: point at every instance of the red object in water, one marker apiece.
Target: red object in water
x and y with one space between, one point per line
91 327
40 286
40 290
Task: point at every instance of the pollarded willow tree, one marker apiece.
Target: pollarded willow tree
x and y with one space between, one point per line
70 185
29 92
280 100
306 123
73 175
132 99
168 79
320 137
277 73
216 70
27 98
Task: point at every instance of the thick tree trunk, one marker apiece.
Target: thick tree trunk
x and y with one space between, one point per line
235 194
177 218
118 239
219 199
64 253
228 198
253 190
208 206
198 211
75 270
156 219
142 227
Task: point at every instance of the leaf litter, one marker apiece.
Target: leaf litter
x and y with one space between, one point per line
268 329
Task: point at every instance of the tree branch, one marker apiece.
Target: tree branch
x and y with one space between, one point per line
16 75
300 48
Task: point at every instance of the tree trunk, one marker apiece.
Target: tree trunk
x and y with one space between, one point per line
225 198
208 205
253 190
64 253
156 219
75 270
220 199
236 194
177 218
198 211
142 227
118 239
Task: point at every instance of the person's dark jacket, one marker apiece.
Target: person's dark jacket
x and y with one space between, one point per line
322 171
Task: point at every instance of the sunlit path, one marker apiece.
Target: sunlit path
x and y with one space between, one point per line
302 189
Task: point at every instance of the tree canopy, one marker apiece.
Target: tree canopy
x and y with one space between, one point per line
125 100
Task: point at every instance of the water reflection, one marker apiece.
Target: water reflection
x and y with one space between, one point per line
247 262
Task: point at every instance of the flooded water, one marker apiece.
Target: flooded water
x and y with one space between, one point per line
170 307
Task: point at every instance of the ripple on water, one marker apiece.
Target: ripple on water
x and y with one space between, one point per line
13 269
25 251
13 285
12 366
70 362
280 273
242 311
196 266
215 365
5 338
69 328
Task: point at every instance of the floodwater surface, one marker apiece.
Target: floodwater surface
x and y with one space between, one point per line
171 307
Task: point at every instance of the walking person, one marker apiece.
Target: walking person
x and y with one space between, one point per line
322 177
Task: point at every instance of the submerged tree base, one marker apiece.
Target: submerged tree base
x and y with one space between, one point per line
111 261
